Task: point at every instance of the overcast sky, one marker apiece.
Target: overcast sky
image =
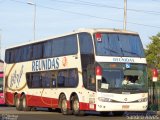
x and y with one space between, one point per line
55 17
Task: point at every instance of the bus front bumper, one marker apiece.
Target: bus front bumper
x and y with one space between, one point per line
109 106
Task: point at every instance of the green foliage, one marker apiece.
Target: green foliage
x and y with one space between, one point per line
153 53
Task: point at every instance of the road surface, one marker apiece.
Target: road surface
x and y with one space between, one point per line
10 113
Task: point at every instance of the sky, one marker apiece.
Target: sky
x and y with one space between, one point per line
55 17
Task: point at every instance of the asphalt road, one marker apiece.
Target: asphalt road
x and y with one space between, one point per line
10 113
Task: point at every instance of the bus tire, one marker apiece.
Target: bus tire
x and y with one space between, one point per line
18 103
75 106
118 113
14 103
64 109
50 110
104 113
24 103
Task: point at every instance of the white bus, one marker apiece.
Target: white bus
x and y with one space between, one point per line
80 71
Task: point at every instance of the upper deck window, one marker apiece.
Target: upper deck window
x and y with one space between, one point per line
66 45
114 44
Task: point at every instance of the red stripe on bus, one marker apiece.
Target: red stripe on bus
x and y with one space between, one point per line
38 101
9 98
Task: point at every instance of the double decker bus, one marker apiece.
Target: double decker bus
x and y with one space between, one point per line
84 70
2 101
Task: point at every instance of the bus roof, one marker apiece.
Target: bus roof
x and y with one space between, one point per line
89 30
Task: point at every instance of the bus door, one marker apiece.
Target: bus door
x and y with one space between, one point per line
87 61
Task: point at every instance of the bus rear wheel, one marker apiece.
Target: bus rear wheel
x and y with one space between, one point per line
76 107
18 103
64 109
24 104
104 113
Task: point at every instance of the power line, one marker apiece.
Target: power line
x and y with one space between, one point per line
80 2
87 15
134 10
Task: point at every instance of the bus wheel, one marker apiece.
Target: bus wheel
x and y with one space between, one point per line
64 109
18 103
15 97
104 113
118 113
75 107
24 104
50 110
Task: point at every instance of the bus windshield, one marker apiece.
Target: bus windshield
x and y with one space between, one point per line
114 76
115 44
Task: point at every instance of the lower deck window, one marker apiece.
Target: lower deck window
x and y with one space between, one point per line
51 79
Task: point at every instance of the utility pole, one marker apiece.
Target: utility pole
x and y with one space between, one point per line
125 15
34 19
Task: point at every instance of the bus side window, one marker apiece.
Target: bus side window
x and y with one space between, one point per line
85 78
73 78
7 56
53 82
36 81
67 78
29 80
37 51
60 79
54 79
46 78
91 84
87 56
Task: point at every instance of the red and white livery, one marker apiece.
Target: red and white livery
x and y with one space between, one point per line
77 72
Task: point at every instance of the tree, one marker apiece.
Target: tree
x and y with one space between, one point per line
153 53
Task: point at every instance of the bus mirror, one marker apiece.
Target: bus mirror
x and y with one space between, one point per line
154 75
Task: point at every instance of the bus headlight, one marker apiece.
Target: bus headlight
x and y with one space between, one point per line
102 99
143 100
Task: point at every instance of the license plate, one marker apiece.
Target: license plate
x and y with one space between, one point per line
125 107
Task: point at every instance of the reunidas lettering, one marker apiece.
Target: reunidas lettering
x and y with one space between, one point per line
46 64
128 60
